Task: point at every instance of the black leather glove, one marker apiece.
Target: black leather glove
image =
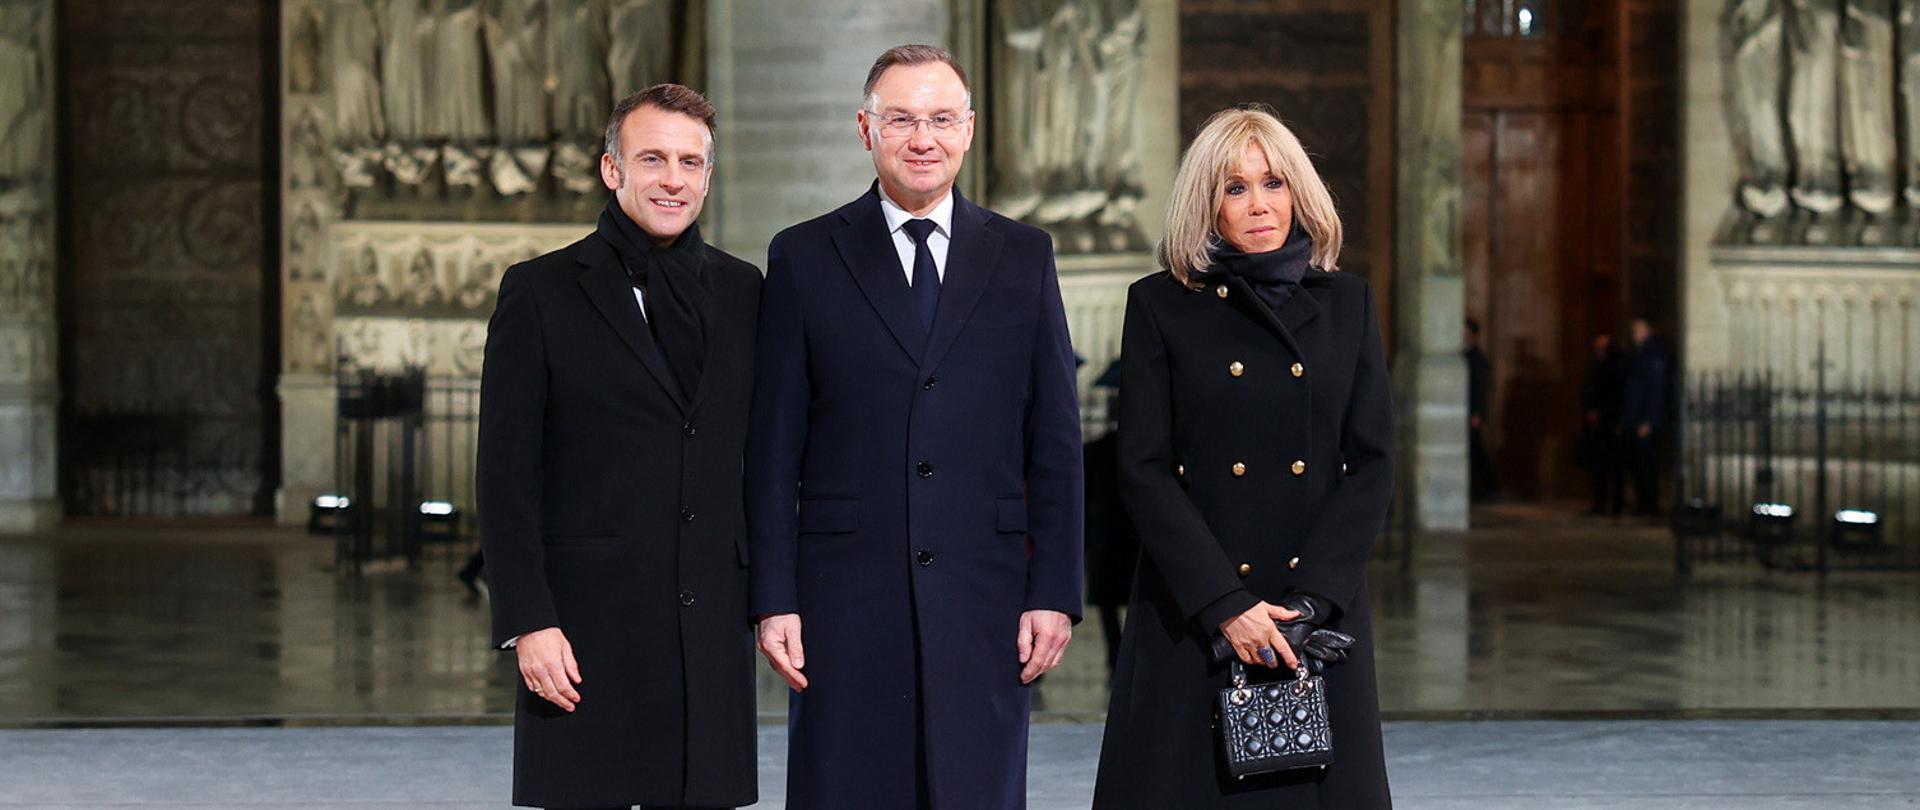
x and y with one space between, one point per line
1306 635
1318 645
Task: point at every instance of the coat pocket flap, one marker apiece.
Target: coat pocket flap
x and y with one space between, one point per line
1010 514
829 515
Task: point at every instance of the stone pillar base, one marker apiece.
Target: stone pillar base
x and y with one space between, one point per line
27 517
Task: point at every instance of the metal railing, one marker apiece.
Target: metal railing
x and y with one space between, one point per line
1794 477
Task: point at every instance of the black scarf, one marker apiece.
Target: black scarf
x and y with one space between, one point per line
669 277
1273 275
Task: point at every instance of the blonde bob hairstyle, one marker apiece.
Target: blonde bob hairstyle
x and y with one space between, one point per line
1200 186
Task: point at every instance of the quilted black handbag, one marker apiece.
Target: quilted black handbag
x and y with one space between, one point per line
1275 726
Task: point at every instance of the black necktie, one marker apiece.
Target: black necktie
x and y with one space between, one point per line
926 278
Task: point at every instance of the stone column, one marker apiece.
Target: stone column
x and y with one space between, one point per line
29 377
1430 378
785 78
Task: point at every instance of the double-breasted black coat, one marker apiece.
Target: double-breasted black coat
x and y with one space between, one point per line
611 508
1256 457
911 493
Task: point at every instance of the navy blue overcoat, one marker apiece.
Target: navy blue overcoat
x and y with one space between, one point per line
910 492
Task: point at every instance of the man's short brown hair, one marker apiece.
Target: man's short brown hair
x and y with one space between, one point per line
914 55
671 97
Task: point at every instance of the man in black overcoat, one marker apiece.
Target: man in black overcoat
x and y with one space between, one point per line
1599 414
613 419
913 476
1643 414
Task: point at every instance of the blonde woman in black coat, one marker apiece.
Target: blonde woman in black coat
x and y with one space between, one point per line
1256 457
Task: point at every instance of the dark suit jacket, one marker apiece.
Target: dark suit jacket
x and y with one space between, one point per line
1256 455
910 495
611 508
1644 398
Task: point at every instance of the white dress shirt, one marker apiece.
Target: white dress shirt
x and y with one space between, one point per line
942 216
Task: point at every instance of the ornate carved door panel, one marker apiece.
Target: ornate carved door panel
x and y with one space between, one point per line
164 238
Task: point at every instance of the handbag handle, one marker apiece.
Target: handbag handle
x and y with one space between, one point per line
1239 673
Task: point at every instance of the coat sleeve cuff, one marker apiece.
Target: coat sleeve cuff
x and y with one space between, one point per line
1224 608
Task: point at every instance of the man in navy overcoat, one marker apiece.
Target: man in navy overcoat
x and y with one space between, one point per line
914 496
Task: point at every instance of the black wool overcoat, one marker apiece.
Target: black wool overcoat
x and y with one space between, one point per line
1256 457
912 492
611 508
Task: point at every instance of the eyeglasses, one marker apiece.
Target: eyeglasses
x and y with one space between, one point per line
903 124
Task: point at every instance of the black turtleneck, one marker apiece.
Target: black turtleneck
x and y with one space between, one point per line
1273 275
671 280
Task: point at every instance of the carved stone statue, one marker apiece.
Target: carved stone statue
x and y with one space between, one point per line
1866 114
422 283
1909 73
1021 28
407 51
363 286
1751 33
639 45
457 105
359 123
1813 59
1116 169
303 52
517 46
24 100
1064 118
576 63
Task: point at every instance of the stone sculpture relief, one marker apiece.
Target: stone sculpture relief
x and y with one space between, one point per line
448 99
1820 95
23 93
1070 77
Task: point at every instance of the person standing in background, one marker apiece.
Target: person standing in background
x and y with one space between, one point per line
1643 414
1599 414
1481 480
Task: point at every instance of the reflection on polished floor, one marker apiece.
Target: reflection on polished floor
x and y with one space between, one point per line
1538 613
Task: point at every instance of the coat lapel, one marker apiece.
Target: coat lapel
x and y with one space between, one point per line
1299 310
606 285
973 253
866 247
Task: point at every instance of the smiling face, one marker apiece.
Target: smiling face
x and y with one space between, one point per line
1256 205
916 165
661 179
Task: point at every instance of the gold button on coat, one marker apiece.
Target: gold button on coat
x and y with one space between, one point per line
1220 291
1299 467
1180 470
1245 569
1239 469
1298 370
1236 368
1293 563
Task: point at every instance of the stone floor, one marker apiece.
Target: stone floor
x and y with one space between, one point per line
1540 614
1508 765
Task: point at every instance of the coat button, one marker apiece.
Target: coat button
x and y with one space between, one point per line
687 515
1239 469
1298 370
1343 468
686 598
1180 470
925 469
1299 467
925 557
1220 291
1245 569
687 430
1293 563
1236 368
931 382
